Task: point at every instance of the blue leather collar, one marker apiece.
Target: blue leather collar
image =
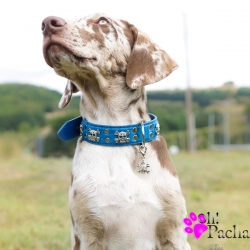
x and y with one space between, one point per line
106 135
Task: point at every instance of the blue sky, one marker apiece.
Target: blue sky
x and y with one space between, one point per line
219 37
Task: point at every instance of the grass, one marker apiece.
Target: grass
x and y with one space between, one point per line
217 182
34 212
33 203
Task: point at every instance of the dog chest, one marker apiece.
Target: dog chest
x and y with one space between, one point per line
107 187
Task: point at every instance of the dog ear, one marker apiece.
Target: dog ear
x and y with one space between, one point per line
66 97
147 63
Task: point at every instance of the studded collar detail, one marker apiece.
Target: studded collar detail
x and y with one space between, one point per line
107 135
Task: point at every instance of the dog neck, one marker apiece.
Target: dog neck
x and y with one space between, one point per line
112 102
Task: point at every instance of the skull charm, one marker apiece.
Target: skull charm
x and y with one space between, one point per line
143 167
122 136
93 135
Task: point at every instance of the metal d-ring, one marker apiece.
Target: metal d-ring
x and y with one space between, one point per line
142 147
142 150
143 133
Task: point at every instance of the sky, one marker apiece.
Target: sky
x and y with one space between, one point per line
218 38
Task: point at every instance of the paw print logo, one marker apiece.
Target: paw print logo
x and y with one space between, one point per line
199 228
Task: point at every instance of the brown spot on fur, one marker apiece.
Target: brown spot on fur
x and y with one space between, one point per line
161 150
141 113
97 226
88 94
85 35
140 64
77 243
134 101
105 28
143 96
98 36
164 232
90 21
128 32
87 223
172 224
174 211
93 230
169 64
75 193
115 32
72 221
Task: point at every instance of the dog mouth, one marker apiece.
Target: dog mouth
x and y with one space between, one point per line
54 52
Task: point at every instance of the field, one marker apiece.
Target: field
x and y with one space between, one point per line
34 212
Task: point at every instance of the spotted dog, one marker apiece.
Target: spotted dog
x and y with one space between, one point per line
113 206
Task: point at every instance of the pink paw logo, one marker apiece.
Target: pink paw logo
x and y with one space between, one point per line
199 228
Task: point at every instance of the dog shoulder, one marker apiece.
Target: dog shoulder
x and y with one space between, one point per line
160 147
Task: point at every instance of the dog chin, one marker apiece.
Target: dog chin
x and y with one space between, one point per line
56 54
60 57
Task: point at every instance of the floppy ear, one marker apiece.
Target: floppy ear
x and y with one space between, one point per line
66 97
147 63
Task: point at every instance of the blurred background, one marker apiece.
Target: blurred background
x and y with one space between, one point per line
203 109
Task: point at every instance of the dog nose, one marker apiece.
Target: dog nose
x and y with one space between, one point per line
52 24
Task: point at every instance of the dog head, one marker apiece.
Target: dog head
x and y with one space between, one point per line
100 49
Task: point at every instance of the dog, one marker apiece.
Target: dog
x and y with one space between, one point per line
122 196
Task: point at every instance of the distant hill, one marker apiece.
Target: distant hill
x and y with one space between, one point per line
202 97
24 107
27 104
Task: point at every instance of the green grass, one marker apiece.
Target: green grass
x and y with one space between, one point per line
217 182
34 205
34 213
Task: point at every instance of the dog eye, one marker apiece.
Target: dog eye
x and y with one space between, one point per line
102 21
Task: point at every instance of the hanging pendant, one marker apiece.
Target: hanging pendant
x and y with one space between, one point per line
143 167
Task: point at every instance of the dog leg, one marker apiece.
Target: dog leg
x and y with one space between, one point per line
170 239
